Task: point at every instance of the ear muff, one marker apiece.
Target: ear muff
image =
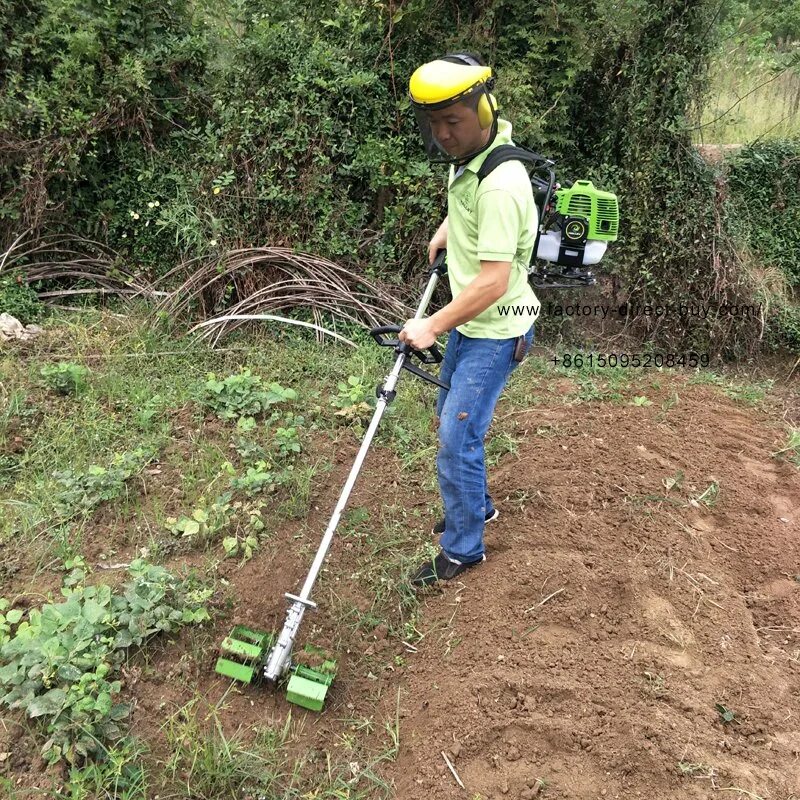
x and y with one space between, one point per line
487 106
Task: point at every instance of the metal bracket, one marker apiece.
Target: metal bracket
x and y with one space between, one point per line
295 599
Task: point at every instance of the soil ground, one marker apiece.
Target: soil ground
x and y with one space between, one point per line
623 597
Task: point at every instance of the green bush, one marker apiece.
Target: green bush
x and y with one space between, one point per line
18 299
182 130
764 214
764 181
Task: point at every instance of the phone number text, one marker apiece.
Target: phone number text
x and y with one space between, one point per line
670 360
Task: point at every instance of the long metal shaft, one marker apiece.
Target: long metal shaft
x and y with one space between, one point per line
280 655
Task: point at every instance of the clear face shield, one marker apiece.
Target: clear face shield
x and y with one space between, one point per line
456 130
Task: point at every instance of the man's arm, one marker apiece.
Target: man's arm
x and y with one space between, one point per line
499 222
488 287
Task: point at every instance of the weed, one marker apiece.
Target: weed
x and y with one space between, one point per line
726 715
115 772
687 768
709 497
751 394
500 445
655 684
65 377
241 395
675 481
80 492
670 402
296 485
791 446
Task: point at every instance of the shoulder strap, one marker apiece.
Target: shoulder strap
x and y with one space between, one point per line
508 152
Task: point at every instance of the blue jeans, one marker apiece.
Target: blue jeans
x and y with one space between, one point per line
477 371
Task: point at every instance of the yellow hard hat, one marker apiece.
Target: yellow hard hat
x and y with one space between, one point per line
444 82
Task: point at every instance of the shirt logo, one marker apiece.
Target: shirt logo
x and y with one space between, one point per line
463 203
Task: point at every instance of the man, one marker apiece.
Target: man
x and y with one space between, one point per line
489 233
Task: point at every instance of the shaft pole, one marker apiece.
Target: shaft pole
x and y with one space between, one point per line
280 655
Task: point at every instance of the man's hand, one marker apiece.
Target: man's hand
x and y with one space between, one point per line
419 333
438 242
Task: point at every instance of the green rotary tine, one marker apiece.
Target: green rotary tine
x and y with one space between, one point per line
310 681
244 654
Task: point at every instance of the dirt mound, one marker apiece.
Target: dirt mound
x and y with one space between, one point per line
586 657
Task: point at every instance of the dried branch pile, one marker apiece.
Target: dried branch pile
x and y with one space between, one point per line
259 282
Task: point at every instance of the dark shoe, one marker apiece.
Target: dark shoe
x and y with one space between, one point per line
441 568
440 526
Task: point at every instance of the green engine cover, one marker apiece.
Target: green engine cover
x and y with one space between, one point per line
600 208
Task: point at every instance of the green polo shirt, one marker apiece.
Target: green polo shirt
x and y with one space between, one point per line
495 221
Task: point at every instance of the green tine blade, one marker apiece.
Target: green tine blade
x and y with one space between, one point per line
245 651
235 671
258 638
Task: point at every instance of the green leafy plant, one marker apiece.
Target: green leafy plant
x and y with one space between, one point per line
249 451
18 298
65 377
240 544
257 477
244 540
242 395
59 663
79 492
351 401
205 521
287 441
7 619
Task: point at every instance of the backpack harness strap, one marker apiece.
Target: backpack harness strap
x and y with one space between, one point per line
512 152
